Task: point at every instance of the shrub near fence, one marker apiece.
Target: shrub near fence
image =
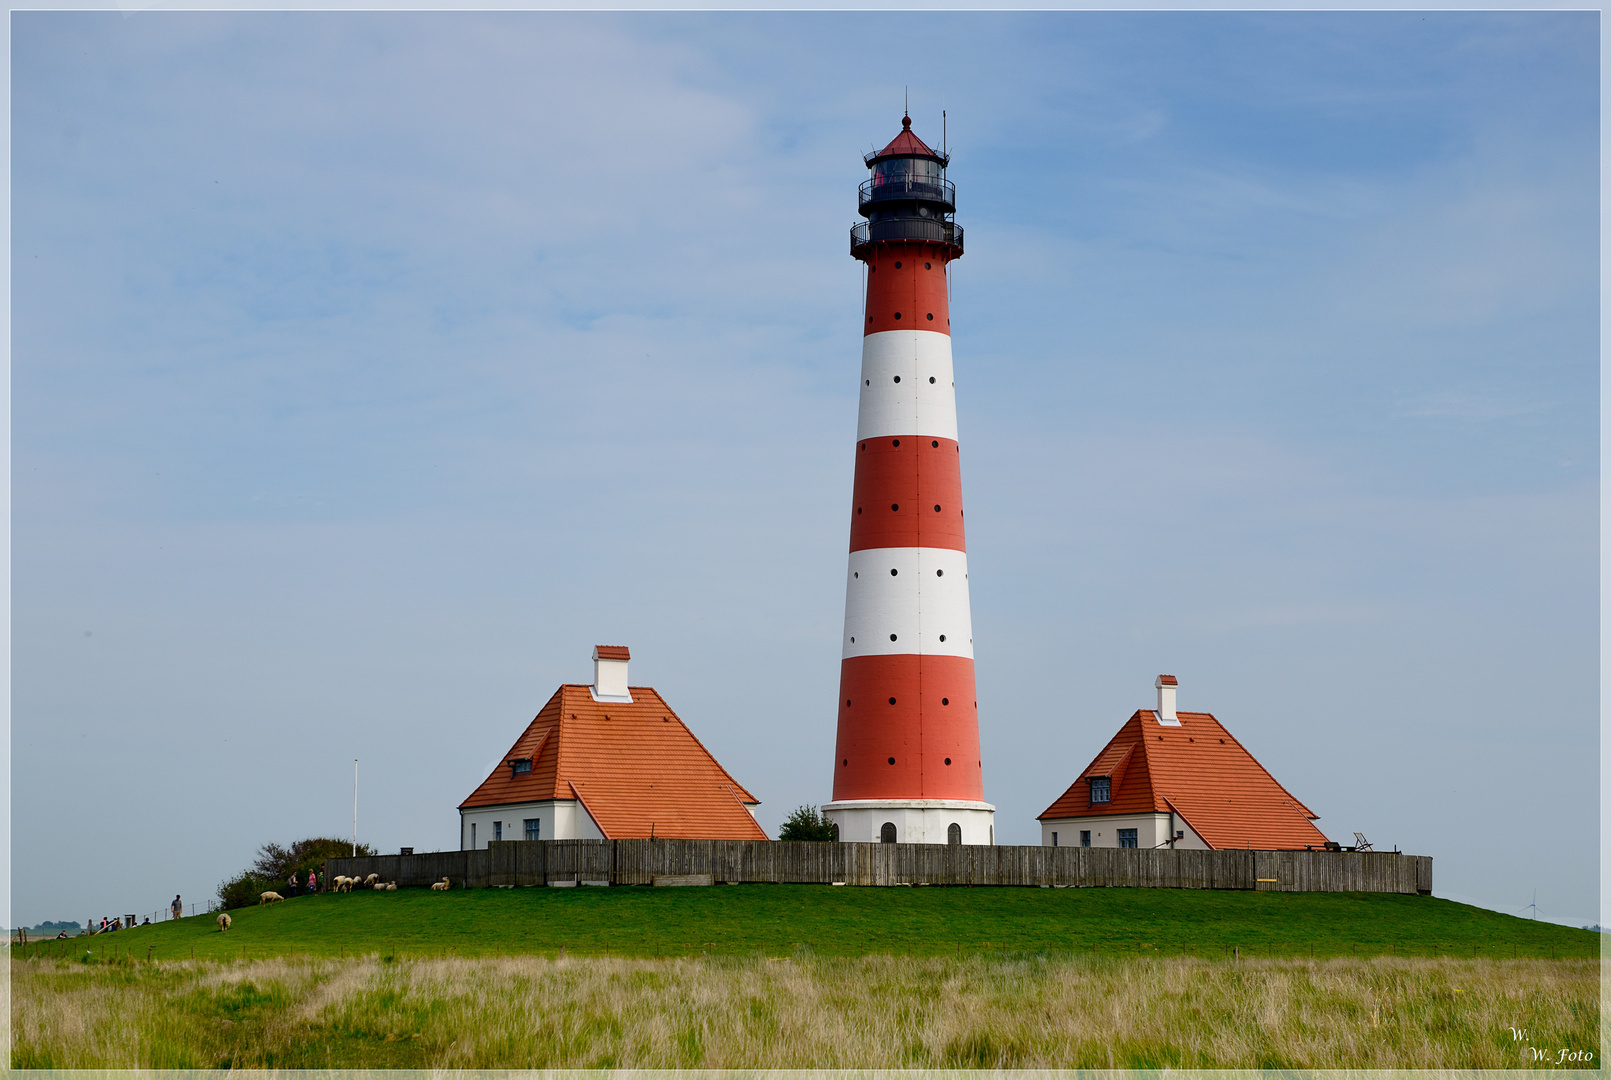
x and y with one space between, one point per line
639 862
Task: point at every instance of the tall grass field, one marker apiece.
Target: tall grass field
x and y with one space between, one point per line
815 976
807 1011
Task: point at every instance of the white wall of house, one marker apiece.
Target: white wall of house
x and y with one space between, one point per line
560 819
1152 830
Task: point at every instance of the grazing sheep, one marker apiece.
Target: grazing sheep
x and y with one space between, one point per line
223 921
371 879
441 886
269 898
343 883
379 886
391 886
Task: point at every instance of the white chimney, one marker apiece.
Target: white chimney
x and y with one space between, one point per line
610 673
1167 684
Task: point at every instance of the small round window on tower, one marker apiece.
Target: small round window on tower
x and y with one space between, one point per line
928 266
897 316
897 266
939 573
892 637
931 383
892 701
895 442
893 571
894 506
942 637
892 761
945 701
948 761
931 316
897 378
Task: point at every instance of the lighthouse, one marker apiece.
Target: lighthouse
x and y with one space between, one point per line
907 766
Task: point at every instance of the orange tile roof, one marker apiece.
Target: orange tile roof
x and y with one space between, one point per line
1168 680
1202 773
635 767
612 652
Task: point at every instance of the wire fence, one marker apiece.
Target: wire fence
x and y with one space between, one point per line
22 935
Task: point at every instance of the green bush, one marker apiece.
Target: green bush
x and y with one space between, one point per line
272 869
806 824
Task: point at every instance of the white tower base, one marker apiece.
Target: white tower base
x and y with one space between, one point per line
916 821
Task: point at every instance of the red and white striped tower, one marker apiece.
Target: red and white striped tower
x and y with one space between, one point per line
907 767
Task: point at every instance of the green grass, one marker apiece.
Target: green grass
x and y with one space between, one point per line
780 919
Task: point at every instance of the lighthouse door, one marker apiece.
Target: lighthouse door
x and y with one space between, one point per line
886 835
953 835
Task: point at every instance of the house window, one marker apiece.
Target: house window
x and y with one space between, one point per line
534 828
520 765
497 830
1054 839
1127 838
953 835
1085 838
472 834
1101 788
886 835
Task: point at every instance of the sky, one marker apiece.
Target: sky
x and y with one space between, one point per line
368 369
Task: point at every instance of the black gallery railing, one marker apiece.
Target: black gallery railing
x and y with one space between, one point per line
926 188
932 230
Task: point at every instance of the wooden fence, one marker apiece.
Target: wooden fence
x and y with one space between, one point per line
639 862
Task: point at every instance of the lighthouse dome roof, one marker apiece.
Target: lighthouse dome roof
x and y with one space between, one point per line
907 144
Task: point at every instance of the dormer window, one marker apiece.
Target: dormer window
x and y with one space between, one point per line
1101 788
519 765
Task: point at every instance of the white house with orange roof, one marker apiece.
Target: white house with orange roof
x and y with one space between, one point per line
1177 779
607 761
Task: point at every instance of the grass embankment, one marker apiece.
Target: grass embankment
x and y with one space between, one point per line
775 919
805 1011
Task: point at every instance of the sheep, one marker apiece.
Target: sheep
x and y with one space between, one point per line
391 886
223 921
371 879
343 883
441 886
269 898
379 886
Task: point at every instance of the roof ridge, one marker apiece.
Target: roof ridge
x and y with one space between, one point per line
589 809
719 766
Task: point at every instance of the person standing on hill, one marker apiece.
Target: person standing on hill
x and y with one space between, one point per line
177 907
313 882
293 882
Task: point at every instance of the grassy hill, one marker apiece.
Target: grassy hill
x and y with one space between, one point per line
780 919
